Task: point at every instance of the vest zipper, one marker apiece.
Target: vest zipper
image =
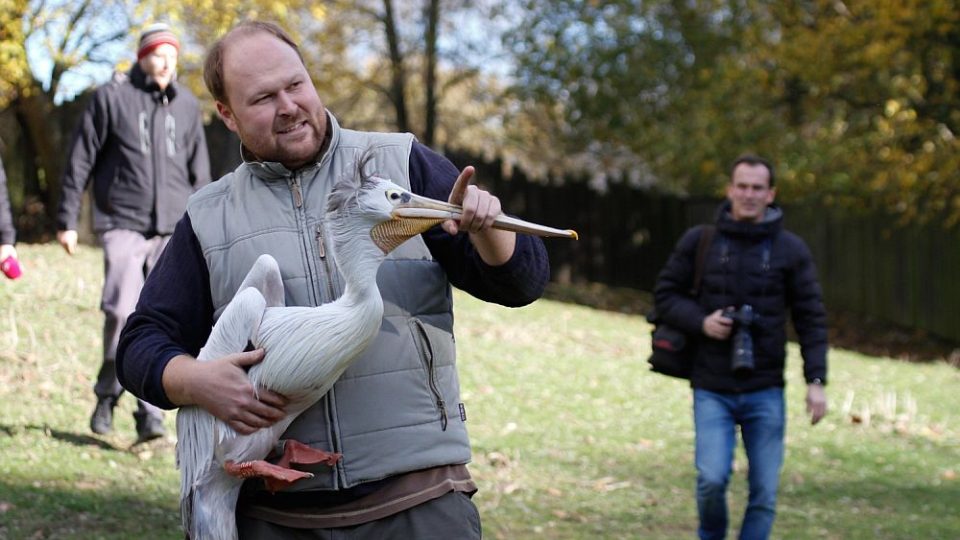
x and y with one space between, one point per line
426 353
338 472
330 272
330 398
321 251
303 232
295 188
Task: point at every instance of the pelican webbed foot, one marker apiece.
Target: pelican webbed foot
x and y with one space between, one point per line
279 476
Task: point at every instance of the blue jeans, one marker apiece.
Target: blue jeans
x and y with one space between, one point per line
762 423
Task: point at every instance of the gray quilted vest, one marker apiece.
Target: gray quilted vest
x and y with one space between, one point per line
397 408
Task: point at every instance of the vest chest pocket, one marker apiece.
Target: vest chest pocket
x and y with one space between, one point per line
425 351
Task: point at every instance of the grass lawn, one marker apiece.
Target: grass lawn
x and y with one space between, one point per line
573 437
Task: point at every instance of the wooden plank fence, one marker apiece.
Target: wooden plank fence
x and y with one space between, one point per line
867 266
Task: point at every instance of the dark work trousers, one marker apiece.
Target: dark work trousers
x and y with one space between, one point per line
449 517
128 258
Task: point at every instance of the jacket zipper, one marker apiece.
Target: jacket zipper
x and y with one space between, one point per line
158 147
426 353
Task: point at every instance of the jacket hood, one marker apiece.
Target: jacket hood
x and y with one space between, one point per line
770 224
140 80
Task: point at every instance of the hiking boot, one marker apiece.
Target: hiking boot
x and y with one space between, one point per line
149 428
101 422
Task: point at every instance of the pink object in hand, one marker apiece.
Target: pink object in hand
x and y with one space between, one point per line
11 267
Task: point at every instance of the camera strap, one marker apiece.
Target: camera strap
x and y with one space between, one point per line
764 263
703 245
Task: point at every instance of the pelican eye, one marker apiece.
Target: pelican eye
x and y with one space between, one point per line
394 195
398 196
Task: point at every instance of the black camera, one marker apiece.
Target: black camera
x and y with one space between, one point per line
741 353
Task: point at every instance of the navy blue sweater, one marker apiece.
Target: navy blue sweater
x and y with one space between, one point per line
175 312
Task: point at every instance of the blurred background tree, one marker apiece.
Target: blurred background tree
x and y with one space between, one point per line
856 102
44 44
874 102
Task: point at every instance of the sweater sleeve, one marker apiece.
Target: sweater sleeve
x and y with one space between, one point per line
8 234
518 282
174 316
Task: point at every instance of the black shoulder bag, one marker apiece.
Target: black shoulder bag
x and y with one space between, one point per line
673 352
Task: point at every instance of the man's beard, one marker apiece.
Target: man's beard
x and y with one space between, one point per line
297 156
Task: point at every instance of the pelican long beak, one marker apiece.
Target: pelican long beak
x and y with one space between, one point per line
429 210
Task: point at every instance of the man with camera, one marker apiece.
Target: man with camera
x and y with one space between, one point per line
753 273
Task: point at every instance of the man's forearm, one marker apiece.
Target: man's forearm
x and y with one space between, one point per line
176 380
494 246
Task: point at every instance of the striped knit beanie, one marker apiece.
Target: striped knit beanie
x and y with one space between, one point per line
154 36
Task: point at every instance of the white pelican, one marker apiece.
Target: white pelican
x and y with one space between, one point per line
368 218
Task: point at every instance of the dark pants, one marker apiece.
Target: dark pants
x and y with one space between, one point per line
449 517
128 258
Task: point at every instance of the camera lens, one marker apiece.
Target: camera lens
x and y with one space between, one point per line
741 358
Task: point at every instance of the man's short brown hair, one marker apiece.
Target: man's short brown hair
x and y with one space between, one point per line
753 160
213 65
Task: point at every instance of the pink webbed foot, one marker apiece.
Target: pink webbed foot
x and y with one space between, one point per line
274 476
279 476
301 454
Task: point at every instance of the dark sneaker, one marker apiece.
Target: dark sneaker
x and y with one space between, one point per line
101 422
149 428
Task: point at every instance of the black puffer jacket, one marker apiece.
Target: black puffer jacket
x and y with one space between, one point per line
734 275
145 150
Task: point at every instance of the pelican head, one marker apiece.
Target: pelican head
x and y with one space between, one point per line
398 214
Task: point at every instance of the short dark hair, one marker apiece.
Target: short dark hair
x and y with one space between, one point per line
213 65
752 159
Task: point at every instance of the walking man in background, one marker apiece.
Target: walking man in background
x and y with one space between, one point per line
754 272
141 143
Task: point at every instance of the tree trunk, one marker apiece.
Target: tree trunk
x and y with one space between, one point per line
430 75
397 70
38 119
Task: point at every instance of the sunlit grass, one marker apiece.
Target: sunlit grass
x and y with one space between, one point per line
573 437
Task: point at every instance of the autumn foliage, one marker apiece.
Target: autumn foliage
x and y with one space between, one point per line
857 102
